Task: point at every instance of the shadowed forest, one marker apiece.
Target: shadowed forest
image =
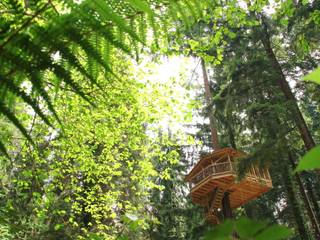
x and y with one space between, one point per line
159 119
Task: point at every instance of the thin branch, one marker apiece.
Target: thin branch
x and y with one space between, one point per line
24 25
54 7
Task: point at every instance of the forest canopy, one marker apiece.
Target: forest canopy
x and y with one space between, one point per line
106 106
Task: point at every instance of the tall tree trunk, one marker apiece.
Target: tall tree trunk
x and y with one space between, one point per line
226 208
285 88
208 97
295 111
313 196
230 131
293 203
311 213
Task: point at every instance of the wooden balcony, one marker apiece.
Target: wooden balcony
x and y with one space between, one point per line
215 170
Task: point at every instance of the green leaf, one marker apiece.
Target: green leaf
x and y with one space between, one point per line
132 217
4 150
58 226
275 232
95 236
221 232
134 225
141 5
248 228
310 160
123 238
313 76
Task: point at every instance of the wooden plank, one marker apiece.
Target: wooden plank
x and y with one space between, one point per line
209 179
241 192
249 196
249 184
245 194
253 197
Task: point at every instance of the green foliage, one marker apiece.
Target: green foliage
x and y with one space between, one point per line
246 229
87 158
310 161
88 179
45 44
314 76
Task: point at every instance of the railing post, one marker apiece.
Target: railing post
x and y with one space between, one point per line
269 177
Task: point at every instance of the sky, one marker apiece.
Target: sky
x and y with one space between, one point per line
177 73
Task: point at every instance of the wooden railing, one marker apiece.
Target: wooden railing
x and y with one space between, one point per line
212 170
260 175
216 169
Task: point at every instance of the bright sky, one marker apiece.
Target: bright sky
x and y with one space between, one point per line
176 73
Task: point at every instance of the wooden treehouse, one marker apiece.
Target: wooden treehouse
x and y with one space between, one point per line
214 178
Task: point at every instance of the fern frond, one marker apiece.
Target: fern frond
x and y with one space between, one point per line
37 85
141 5
62 73
110 37
67 55
24 96
91 29
32 74
134 43
178 10
4 110
107 14
191 9
198 8
142 29
74 36
152 22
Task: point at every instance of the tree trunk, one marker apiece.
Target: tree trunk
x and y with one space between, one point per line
231 134
285 88
208 97
295 111
313 197
306 200
293 203
226 208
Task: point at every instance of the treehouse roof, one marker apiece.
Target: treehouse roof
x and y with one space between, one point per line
211 158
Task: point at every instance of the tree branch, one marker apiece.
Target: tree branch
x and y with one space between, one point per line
24 25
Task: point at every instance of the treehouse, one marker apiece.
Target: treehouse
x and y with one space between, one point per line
214 177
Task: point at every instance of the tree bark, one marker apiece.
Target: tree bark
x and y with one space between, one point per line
226 208
311 213
313 196
294 204
285 88
208 97
296 113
